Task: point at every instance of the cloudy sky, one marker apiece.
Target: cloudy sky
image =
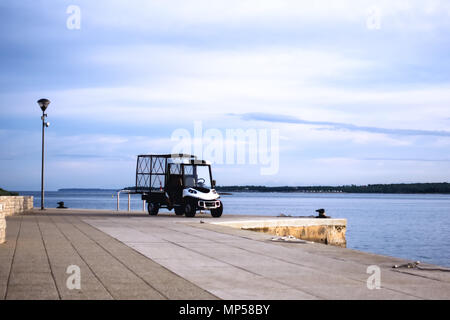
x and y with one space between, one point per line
359 91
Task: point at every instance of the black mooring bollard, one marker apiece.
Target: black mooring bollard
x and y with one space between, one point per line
321 214
61 205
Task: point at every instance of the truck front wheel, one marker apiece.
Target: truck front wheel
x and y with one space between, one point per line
153 208
216 213
190 208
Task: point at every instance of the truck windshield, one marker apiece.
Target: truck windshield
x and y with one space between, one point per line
197 176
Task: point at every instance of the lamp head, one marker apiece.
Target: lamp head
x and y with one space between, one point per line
43 103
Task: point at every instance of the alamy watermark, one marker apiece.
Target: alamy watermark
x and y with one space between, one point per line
73 22
74 280
231 146
374 280
373 21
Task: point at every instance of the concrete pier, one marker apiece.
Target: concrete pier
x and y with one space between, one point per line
326 231
2 228
136 256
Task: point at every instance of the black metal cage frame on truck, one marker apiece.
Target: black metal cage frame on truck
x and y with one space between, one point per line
164 184
151 171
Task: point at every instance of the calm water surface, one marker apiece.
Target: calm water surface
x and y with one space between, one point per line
415 227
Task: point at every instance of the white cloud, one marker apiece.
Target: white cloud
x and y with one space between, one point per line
239 86
179 15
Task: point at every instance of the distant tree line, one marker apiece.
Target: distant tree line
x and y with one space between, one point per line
83 189
443 187
7 193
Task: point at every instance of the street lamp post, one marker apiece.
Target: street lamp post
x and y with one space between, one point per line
43 104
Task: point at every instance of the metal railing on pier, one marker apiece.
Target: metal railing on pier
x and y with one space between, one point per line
129 192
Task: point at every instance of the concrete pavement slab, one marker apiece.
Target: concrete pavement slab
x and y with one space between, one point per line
39 249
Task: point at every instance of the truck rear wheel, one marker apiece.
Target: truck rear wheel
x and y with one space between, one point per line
216 213
190 208
153 208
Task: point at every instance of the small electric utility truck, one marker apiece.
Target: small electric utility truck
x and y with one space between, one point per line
177 181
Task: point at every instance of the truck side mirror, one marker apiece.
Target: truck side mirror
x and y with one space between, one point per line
214 183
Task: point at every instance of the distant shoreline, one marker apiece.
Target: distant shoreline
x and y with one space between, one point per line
399 188
85 189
